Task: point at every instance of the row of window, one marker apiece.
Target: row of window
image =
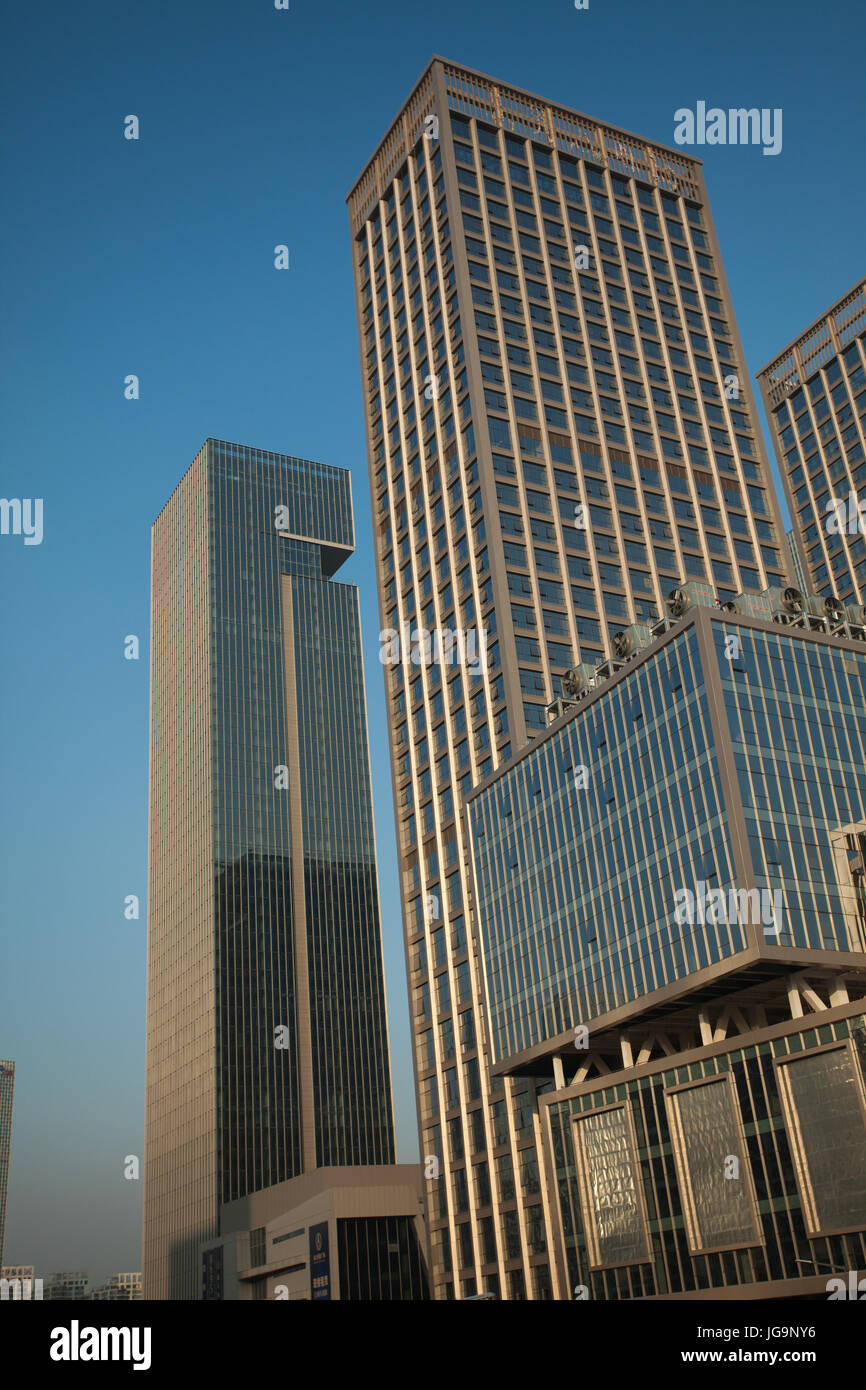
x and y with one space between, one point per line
824 1109
818 433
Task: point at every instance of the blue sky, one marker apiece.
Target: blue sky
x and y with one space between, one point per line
155 257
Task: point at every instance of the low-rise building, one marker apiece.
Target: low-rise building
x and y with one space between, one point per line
119 1288
67 1285
350 1233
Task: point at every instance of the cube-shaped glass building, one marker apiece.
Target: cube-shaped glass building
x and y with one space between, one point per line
669 899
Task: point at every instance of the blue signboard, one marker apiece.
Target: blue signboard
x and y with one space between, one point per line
320 1262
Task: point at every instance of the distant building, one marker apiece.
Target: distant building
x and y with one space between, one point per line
7 1091
67 1285
19 1283
120 1288
796 561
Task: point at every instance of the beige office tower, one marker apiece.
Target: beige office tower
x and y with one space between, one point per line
815 398
561 430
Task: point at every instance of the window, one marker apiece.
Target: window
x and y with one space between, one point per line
824 1106
257 1247
610 1195
499 1116
712 1165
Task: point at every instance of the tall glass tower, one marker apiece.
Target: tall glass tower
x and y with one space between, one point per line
560 429
267 1047
7 1093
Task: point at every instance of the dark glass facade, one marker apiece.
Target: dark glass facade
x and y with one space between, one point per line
267 1035
288 692
380 1259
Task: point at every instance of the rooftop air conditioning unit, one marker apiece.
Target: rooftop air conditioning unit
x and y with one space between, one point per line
856 614
678 603
835 609
787 603
693 594
578 680
751 606
626 643
830 609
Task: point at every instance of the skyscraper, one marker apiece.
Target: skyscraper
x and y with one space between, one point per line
560 429
267 1046
7 1095
815 397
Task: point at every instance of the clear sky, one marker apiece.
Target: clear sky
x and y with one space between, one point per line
155 257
